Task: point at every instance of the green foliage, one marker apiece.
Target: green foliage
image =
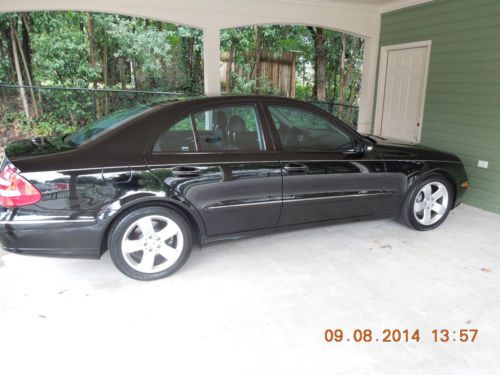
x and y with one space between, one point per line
139 42
243 86
304 91
299 39
61 57
10 117
47 126
128 53
135 53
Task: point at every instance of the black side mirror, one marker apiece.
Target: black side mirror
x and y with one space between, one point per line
363 145
366 145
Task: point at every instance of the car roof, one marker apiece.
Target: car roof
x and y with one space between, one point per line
199 100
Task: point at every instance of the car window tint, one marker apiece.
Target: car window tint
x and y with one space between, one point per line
229 128
104 124
178 138
304 130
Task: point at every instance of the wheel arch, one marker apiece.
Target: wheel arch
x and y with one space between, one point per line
441 172
195 224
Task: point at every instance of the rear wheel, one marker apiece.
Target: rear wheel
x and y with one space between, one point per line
150 243
428 203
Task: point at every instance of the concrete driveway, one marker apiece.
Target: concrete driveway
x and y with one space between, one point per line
261 305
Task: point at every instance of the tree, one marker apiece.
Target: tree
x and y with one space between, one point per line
27 72
26 40
191 47
18 70
319 62
142 45
257 51
96 50
92 58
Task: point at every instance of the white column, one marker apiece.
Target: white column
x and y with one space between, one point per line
368 83
211 57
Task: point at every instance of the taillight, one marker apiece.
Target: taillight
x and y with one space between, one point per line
15 190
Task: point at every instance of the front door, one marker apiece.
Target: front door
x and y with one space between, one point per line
217 159
323 178
404 92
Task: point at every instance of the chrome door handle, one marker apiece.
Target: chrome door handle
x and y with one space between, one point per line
186 171
295 167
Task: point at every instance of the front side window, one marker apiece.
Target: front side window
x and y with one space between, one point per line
303 130
229 128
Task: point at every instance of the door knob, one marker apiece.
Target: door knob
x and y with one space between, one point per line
186 171
295 167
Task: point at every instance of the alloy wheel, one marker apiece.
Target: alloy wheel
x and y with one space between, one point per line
152 244
431 203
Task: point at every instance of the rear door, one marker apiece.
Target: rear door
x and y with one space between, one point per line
220 159
323 178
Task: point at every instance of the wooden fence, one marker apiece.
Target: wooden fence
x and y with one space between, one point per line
277 70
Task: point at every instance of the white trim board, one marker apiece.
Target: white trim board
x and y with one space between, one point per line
384 55
401 4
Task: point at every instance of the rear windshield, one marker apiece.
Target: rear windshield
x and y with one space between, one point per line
91 131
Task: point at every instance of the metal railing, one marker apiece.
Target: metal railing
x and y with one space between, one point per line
112 98
347 113
79 105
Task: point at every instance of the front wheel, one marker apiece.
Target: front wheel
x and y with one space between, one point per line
428 203
150 243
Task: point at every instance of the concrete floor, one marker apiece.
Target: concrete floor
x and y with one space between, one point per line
261 305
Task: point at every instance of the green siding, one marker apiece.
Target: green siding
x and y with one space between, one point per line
462 106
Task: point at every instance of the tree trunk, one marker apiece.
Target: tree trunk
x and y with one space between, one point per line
18 72
189 61
258 51
92 60
134 76
342 73
320 60
230 62
25 18
293 74
321 55
10 54
197 71
27 73
105 71
121 69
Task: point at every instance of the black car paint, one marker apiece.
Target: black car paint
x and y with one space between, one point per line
222 194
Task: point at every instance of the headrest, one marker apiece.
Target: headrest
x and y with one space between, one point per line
237 124
220 119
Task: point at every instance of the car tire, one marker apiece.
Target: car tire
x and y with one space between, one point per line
427 203
150 243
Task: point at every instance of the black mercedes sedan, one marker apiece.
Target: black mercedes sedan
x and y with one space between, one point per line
148 182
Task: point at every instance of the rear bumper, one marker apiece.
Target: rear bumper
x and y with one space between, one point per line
59 238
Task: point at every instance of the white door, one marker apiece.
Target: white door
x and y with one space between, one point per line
403 98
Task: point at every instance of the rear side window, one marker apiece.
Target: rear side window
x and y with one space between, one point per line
178 138
115 119
229 128
224 128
